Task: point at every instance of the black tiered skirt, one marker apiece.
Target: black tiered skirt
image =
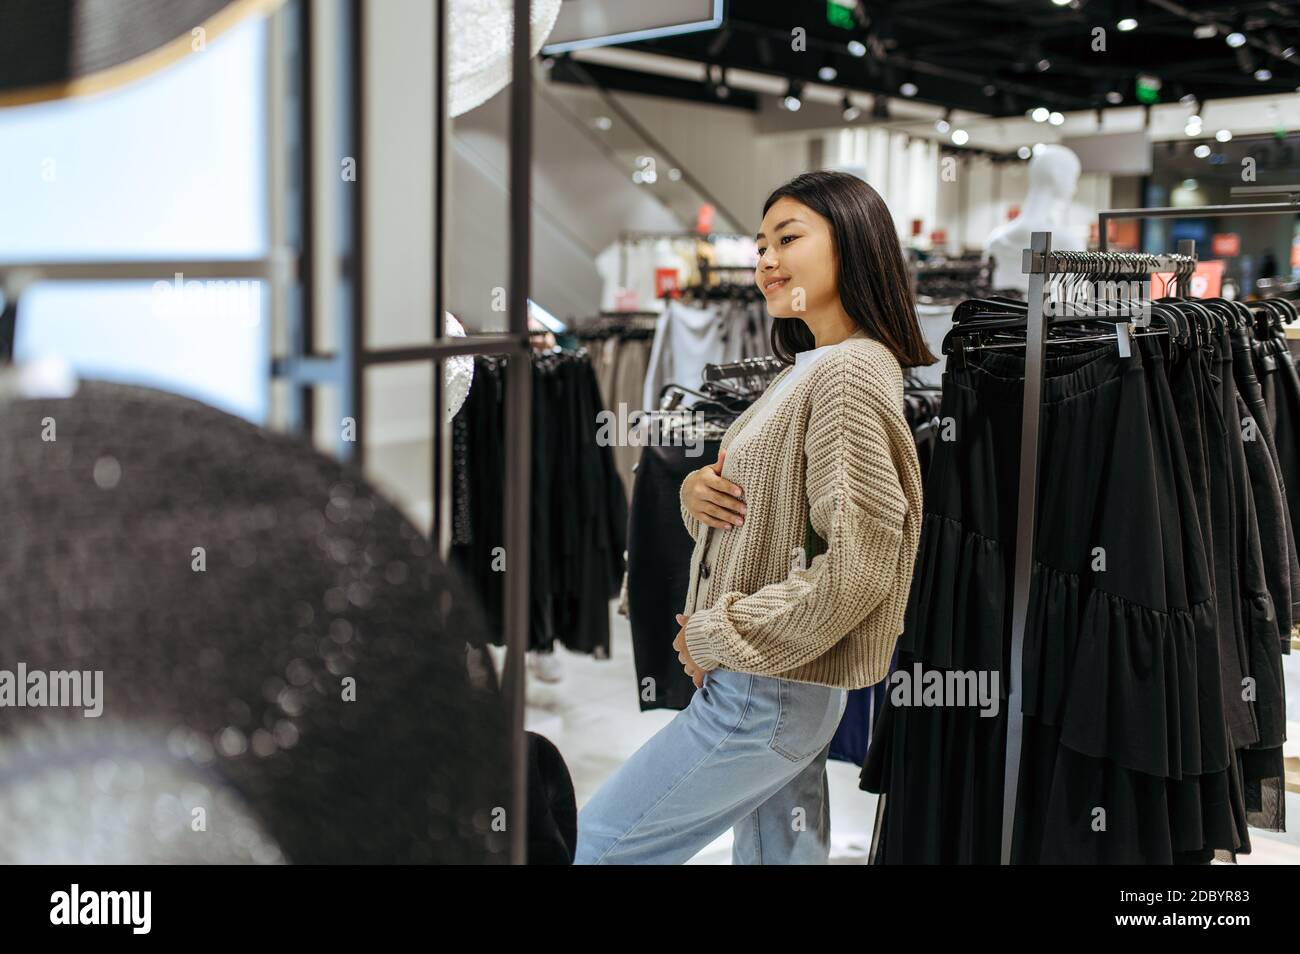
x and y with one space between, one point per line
1126 754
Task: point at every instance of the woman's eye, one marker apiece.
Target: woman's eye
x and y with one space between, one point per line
790 237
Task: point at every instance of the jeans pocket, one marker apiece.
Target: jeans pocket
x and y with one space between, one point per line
807 717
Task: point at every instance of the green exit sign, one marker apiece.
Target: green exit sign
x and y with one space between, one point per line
839 14
1147 89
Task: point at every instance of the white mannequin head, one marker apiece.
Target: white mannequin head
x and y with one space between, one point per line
1053 178
1054 170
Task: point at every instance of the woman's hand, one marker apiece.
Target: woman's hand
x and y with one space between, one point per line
684 654
712 499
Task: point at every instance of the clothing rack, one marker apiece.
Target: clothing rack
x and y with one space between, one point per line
1041 264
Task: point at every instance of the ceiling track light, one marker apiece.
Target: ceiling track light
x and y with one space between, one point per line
848 110
1126 15
715 80
793 93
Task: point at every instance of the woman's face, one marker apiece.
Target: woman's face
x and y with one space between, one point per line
796 260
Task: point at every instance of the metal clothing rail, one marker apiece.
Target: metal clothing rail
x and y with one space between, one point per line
768 364
1042 264
1199 211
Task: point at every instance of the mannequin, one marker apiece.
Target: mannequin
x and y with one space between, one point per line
1053 177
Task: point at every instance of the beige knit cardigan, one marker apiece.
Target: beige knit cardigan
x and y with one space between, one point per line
836 444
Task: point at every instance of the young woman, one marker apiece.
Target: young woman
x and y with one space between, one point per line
772 641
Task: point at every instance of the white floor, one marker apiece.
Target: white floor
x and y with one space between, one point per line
593 718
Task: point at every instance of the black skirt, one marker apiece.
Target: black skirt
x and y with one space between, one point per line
1125 755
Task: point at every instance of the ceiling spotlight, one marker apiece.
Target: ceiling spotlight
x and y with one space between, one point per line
1289 53
856 48
1188 99
1040 114
1055 118
1114 97
1263 75
1043 65
1223 135
848 110
1189 184
960 137
1205 31
1235 39
792 101
1061 3
908 89
1038 148
1201 151
827 73
675 174
1192 129
943 125
1126 24
1024 152
602 123
989 90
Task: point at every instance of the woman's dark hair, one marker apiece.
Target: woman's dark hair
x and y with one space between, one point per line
874 283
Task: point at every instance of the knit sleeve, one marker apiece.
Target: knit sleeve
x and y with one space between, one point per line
693 525
856 503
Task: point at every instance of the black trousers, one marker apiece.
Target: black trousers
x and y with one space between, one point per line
658 572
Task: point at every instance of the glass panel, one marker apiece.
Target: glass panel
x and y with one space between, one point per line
399 404
171 166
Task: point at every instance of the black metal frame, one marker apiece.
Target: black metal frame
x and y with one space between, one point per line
306 369
1191 212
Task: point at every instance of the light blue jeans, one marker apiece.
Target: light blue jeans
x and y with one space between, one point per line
748 753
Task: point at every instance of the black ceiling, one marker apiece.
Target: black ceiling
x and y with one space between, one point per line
984 55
